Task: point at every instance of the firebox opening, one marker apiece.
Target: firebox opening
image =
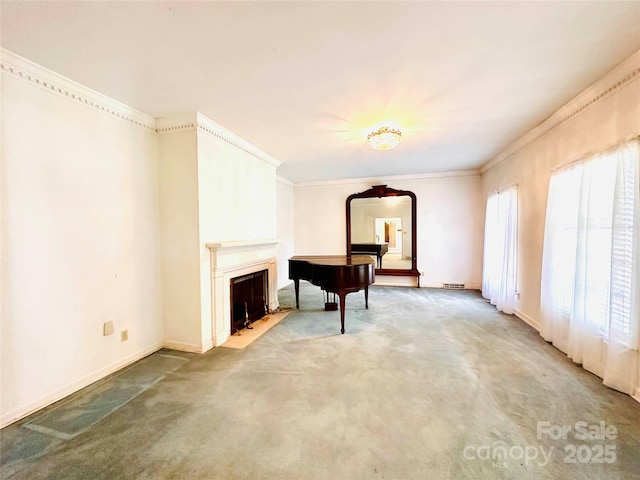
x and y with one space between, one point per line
248 299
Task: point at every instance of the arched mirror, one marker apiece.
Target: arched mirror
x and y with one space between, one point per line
382 222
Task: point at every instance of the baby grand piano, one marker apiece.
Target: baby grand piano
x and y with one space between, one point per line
337 274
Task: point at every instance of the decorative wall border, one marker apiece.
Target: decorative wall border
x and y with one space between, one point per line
176 128
57 84
617 78
191 121
210 127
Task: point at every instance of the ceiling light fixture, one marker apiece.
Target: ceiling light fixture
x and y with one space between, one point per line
384 138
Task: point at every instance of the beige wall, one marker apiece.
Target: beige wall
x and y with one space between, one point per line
97 209
449 227
612 116
80 225
105 219
608 121
180 240
236 202
213 189
285 229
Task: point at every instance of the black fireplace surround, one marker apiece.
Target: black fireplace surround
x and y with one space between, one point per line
248 299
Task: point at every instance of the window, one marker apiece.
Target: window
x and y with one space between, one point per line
500 241
589 290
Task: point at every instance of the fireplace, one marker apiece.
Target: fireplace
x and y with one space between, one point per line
248 299
253 259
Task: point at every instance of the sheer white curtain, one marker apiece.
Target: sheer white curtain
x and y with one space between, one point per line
500 240
590 266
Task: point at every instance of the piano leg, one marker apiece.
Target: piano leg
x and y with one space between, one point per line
296 283
343 296
366 296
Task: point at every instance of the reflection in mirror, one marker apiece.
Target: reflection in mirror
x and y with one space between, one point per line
383 221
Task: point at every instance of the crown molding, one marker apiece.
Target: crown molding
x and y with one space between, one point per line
375 180
284 181
216 130
201 123
39 76
176 123
616 79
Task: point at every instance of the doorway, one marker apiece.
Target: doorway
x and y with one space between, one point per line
389 230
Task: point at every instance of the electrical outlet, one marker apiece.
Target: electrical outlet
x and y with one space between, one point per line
124 335
107 328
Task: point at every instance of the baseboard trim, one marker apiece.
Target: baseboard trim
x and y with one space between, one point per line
21 412
527 319
188 347
207 346
439 286
535 324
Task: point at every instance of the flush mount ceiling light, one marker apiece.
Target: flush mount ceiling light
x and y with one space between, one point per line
384 138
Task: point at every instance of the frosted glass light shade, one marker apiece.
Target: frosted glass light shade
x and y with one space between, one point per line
384 138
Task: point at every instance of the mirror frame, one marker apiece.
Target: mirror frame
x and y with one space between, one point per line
380 191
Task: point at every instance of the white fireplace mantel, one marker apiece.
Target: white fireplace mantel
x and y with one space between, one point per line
231 259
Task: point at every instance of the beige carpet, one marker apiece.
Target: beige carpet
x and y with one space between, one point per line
259 327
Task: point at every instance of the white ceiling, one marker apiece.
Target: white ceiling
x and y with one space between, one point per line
306 81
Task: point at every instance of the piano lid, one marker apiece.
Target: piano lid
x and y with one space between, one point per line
334 260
